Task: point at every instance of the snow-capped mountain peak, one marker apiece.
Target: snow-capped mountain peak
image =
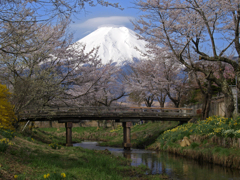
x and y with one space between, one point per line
117 44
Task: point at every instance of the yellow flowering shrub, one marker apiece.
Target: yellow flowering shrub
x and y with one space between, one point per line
55 146
63 175
7 115
4 143
119 128
212 126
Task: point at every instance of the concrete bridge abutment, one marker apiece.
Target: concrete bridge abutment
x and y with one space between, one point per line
68 126
127 135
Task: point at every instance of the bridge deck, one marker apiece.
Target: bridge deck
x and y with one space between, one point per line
110 113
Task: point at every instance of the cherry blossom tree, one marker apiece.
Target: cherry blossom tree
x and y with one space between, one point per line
104 88
139 83
208 28
158 77
37 61
46 76
18 19
32 75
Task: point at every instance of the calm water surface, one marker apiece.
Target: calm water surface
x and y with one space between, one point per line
176 167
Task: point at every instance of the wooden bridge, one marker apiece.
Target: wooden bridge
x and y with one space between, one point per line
126 115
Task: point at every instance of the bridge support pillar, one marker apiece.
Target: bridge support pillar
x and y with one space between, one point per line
68 126
127 135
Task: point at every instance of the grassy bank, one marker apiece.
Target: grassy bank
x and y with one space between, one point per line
37 155
141 135
216 140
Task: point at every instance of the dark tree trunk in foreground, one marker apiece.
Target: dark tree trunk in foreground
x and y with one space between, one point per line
207 96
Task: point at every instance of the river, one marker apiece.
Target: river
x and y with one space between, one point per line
176 167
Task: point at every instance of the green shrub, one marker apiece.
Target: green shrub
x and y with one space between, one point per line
13 152
217 149
194 145
237 133
55 146
205 141
229 133
3 147
218 131
4 143
30 139
7 134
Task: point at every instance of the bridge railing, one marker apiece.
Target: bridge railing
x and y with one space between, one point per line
117 109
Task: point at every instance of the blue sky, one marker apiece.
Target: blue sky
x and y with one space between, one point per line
94 17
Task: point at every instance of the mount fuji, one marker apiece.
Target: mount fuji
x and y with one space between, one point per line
116 44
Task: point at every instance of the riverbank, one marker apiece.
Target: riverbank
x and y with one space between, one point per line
215 140
36 155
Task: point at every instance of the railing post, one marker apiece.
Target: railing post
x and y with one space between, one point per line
127 135
68 126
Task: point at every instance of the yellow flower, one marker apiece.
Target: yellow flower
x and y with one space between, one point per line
48 175
45 176
63 175
15 176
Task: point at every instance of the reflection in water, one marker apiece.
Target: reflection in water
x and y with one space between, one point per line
127 154
176 167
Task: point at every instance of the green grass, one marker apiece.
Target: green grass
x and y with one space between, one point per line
32 159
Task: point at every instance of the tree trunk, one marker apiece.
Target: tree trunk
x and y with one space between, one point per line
50 124
228 100
206 101
113 124
161 103
161 99
149 100
229 105
104 123
206 106
176 101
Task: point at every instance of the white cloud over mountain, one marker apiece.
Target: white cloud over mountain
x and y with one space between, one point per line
94 23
